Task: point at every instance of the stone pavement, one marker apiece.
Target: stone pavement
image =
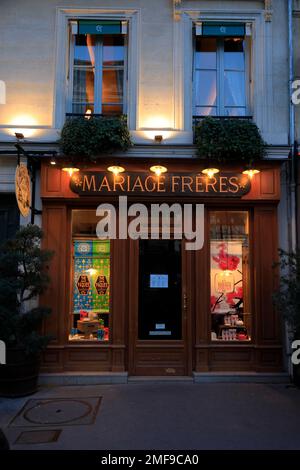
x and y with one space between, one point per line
162 416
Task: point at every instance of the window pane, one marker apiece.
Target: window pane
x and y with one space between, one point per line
206 53
82 108
235 94
206 111
112 109
84 51
229 271
234 57
112 87
205 88
235 112
113 50
91 280
83 85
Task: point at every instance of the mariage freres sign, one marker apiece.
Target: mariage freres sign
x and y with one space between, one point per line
89 183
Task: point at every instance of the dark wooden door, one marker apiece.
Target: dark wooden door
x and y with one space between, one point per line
159 306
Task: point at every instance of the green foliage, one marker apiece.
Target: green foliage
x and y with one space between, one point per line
90 138
287 298
229 140
23 277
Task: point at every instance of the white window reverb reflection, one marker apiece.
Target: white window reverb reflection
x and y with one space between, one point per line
97 65
220 78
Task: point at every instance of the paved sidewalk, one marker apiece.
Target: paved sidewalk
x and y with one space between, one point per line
172 416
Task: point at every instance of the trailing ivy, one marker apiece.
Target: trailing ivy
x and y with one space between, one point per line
229 140
90 138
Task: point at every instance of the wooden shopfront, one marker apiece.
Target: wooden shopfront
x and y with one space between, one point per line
150 306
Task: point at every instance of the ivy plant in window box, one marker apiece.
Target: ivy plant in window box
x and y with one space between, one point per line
229 140
91 137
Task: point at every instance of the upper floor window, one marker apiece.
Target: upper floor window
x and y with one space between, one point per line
97 74
221 79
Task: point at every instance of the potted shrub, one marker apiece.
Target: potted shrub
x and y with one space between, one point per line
287 298
89 138
229 140
23 277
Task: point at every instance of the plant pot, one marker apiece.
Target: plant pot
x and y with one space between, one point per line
296 375
19 376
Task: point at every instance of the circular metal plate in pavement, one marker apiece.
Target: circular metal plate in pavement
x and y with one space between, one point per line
58 411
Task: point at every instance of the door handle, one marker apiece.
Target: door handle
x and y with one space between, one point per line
185 301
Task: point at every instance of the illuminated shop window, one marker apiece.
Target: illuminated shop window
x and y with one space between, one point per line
229 276
91 281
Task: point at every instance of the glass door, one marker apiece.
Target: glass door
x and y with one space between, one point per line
160 316
160 340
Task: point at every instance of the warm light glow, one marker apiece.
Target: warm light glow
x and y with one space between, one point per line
157 122
70 169
92 271
88 113
251 172
150 134
52 162
24 125
116 169
158 169
210 172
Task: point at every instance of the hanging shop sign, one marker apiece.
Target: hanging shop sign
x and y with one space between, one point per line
87 183
22 189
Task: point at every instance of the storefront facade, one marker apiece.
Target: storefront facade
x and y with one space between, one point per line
165 310
164 66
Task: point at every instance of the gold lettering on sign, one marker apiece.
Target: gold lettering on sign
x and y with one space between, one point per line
223 184
175 183
233 181
199 184
89 183
137 184
161 184
186 181
211 183
149 178
186 184
119 180
104 184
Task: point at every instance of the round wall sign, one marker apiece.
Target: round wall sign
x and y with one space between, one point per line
22 188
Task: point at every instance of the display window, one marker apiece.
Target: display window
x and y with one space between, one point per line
229 276
91 273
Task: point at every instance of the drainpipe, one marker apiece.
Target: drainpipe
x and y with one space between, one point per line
293 228
292 162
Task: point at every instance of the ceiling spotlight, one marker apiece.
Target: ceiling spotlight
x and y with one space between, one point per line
158 169
210 172
53 161
70 168
251 172
116 169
